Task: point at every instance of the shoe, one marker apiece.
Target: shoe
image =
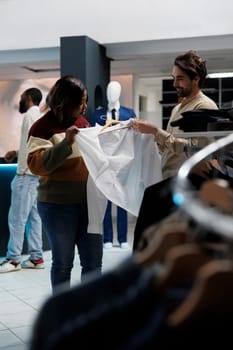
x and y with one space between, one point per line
125 245
108 245
9 266
33 264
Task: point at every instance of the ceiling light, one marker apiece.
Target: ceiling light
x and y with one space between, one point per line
221 75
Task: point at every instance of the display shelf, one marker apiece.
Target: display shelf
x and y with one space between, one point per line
208 134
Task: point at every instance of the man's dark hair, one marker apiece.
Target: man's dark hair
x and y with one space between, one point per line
193 65
35 95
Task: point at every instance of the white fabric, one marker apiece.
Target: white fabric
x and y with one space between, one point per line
97 204
32 114
121 163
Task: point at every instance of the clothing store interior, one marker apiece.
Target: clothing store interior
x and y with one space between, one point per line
156 142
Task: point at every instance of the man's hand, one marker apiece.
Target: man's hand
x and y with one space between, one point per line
144 127
10 156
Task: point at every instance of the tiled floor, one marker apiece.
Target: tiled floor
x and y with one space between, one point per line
23 292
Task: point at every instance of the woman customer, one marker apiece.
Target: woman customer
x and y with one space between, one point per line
62 199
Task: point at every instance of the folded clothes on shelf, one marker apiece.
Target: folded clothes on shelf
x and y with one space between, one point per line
201 119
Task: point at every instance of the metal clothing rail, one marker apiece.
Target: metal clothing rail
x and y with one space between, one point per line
214 135
203 134
184 195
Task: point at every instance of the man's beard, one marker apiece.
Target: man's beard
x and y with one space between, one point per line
22 107
183 92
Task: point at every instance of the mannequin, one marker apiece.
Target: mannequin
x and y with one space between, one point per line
113 111
113 96
113 93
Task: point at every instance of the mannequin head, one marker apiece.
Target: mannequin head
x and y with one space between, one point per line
113 92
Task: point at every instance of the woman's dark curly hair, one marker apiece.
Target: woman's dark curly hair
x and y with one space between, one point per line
66 92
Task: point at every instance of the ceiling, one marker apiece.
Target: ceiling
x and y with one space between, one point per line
144 59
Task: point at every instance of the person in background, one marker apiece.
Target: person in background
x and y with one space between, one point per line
189 73
23 215
62 190
114 111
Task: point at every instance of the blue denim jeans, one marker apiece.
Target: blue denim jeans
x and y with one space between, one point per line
23 218
66 228
122 224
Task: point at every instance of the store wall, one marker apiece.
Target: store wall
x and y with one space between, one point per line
134 89
132 20
10 118
30 24
150 89
126 82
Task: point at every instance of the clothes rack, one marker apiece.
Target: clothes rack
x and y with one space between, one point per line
184 195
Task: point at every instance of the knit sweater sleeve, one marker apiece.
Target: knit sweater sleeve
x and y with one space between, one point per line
44 157
166 140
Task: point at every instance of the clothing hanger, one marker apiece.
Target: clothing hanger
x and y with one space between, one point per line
181 265
213 290
187 261
184 196
213 285
164 238
217 192
110 122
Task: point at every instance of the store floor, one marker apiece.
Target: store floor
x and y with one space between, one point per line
23 292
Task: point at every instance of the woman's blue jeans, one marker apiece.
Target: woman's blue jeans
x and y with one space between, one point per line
66 228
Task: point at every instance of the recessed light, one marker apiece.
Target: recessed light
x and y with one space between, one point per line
221 75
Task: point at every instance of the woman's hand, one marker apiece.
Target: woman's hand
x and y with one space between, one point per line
70 134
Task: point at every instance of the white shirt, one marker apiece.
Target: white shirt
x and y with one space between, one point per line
121 162
32 114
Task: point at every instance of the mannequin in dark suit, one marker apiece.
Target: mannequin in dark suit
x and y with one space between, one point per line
113 111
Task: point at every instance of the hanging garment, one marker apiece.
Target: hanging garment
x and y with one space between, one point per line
121 162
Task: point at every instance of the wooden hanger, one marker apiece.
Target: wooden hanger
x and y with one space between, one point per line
123 124
213 290
109 122
164 238
217 193
181 264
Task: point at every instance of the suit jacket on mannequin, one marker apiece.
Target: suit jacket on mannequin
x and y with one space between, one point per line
101 115
114 110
